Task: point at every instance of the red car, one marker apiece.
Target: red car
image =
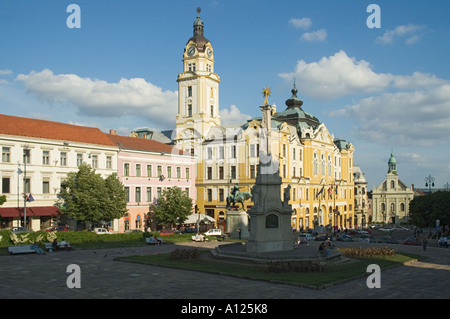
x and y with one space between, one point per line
57 229
166 232
411 241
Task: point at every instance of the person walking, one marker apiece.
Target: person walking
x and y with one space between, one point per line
424 244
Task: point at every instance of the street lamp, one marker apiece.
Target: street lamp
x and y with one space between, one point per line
429 182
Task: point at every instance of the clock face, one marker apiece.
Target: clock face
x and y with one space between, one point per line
209 52
191 51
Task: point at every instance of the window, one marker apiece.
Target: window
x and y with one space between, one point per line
209 172
322 164
221 195
221 152
149 194
178 172
149 171
210 152
45 157
63 159
189 91
169 171
187 172
212 110
315 164
6 154
127 193
6 185
252 171
233 151
189 109
27 186
137 195
158 192
284 150
46 187
159 170
138 170
94 161
209 195
221 172
233 172
108 162
79 159
126 169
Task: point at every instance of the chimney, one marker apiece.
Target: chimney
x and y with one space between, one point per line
113 132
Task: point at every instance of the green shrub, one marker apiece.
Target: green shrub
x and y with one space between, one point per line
367 252
179 253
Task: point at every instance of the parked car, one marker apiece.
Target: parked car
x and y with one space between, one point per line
411 241
364 238
375 226
441 241
386 240
190 231
165 232
101 231
214 232
386 229
345 238
305 236
17 230
57 229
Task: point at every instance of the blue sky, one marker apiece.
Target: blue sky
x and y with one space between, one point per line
383 89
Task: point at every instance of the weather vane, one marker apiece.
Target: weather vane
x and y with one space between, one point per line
199 10
266 93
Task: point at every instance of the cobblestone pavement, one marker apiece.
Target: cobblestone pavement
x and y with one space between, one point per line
102 277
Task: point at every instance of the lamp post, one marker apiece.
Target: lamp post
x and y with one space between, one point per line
26 154
429 182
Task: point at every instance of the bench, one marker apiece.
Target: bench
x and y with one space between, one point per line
21 249
49 246
151 241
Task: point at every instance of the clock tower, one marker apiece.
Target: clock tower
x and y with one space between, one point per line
198 92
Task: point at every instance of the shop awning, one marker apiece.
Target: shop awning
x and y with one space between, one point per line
31 211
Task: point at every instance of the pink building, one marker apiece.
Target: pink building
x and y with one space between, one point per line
147 167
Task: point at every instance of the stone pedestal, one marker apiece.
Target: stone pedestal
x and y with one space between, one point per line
237 220
270 218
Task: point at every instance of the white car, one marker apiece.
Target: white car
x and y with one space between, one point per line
386 229
101 231
364 238
214 232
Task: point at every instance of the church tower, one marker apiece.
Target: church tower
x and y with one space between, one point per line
198 91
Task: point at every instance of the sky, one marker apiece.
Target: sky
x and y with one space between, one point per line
376 76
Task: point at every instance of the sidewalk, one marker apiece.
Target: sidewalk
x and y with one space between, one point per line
44 276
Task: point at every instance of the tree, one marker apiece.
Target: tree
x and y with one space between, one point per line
425 210
174 206
90 198
2 199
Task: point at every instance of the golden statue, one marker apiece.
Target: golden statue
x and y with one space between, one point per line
266 92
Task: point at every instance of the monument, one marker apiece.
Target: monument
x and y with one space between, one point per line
270 217
237 219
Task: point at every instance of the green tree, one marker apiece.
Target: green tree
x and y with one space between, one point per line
174 206
2 199
425 210
90 198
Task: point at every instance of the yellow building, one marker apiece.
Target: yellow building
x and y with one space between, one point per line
317 166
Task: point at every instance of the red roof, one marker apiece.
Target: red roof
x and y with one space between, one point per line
21 126
142 144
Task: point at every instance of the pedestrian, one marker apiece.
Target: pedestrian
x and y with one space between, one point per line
37 249
239 232
425 244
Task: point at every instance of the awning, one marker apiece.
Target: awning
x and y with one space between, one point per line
31 211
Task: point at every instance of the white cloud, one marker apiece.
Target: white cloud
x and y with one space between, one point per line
134 97
233 116
5 72
336 76
302 23
315 36
409 30
418 118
